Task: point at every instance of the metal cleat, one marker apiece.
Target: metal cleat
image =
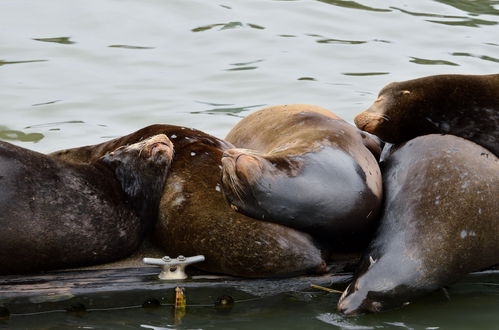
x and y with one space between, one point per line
173 269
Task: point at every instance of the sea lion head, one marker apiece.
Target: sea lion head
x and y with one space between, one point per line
257 184
362 296
141 168
380 284
388 112
406 109
243 169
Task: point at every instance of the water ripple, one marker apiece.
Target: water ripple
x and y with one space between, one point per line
56 123
413 13
477 7
14 135
361 74
247 63
325 40
232 25
450 19
482 57
3 62
58 40
130 47
431 62
244 66
227 26
231 111
45 103
340 41
255 26
470 22
206 27
353 5
341 322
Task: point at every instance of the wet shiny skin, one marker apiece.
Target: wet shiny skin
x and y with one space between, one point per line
439 223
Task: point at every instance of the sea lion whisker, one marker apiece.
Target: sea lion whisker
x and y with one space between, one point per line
385 117
236 184
233 180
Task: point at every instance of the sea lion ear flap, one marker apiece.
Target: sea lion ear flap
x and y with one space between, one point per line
405 92
373 143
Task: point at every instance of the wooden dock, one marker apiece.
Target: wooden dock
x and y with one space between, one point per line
73 290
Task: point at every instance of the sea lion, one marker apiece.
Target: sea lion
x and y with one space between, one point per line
304 167
462 105
195 219
55 214
440 221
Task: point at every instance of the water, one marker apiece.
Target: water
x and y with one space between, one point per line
80 72
470 304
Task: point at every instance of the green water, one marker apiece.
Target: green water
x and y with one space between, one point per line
470 304
80 72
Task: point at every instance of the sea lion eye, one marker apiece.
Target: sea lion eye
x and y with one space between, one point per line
405 92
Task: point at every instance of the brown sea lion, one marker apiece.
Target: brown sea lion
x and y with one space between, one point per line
440 221
304 167
195 219
462 105
54 214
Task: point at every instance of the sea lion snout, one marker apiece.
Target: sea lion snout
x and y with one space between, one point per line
156 149
369 120
344 308
242 163
346 305
354 302
159 146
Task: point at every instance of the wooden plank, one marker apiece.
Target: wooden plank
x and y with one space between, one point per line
129 282
125 287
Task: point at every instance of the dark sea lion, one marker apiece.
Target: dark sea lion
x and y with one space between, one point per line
55 214
195 219
304 167
440 221
462 105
